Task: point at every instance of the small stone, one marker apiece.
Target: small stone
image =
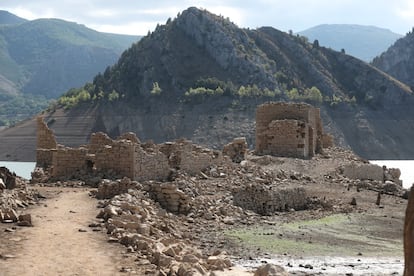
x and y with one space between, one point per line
25 220
81 230
353 201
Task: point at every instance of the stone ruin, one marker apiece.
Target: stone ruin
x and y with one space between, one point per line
290 130
123 157
267 200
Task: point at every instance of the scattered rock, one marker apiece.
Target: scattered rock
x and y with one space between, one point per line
270 270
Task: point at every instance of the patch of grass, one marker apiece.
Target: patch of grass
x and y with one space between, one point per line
335 235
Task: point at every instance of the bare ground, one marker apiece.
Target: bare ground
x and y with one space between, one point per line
57 244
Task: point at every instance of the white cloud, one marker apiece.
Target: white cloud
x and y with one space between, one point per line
134 28
132 16
406 11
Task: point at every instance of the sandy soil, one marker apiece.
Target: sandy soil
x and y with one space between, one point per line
57 244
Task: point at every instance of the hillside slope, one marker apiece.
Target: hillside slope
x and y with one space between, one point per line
7 18
363 42
201 77
398 60
41 59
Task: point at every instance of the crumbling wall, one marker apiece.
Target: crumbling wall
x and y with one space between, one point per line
190 158
288 138
236 150
46 142
68 162
124 157
363 171
150 163
266 200
171 198
288 129
108 189
195 159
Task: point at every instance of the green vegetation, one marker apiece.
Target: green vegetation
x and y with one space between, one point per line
44 58
312 95
73 97
89 92
156 89
16 108
335 235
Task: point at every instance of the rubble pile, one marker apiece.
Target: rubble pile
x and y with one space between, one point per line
236 150
14 196
157 236
108 188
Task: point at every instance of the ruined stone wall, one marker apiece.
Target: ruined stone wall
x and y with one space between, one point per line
45 142
287 138
268 130
266 200
171 198
117 158
236 150
195 159
124 157
150 163
68 161
363 172
190 158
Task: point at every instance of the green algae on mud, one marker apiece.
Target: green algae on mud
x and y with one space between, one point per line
335 235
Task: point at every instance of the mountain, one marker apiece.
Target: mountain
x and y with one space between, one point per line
41 59
398 60
363 42
200 76
7 18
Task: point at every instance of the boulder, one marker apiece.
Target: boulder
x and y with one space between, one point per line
270 270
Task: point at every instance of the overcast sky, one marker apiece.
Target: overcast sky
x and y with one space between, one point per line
137 17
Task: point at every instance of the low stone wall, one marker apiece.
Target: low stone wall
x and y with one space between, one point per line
268 199
171 198
363 171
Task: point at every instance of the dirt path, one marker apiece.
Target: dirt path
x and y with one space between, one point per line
55 246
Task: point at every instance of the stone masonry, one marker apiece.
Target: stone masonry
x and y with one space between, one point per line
123 157
289 130
266 200
46 143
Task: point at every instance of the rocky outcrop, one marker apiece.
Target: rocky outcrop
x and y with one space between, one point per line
398 59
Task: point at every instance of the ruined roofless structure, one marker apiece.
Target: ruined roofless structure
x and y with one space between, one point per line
123 157
290 130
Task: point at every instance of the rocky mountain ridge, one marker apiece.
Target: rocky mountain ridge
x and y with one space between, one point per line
201 77
398 60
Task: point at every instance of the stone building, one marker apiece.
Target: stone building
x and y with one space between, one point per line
123 157
289 130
